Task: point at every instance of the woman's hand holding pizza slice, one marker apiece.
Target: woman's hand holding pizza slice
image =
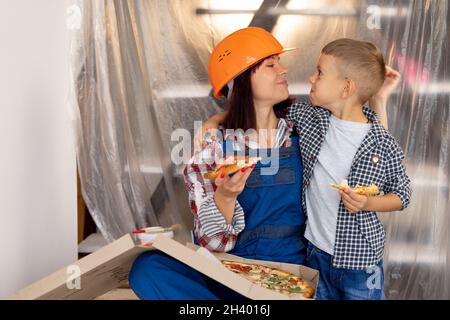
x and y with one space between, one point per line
229 188
233 186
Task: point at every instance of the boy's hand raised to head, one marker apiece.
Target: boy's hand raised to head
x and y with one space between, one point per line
391 82
378 102
352 201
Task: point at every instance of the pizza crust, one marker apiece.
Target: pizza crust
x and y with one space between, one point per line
231 164
362 190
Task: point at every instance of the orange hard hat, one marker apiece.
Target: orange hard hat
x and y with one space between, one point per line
239 51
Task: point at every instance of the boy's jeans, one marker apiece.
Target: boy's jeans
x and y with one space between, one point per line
345 284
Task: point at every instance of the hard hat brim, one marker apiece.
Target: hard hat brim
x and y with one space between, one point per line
289 49
218 94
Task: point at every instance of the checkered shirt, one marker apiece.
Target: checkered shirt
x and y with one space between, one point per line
360 237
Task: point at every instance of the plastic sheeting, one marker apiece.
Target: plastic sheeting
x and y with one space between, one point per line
139 72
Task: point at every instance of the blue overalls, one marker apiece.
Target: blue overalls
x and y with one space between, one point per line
274 228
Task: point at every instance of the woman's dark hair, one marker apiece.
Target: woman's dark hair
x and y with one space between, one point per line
241 110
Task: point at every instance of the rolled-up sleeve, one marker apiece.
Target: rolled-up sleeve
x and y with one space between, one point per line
397 181
213 222
210 227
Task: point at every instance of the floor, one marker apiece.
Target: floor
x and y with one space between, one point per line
118 294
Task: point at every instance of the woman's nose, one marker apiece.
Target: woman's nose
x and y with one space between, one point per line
283 69
311 79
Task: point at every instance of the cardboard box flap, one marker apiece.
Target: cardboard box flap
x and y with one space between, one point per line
188 255
202 264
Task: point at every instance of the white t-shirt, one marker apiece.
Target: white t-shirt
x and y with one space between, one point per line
333 164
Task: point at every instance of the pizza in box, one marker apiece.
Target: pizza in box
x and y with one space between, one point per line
274 279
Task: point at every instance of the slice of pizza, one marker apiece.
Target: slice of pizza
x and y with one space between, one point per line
363 190
231 164
274 279
288 283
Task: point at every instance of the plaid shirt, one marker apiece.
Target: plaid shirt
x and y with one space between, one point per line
360 237
210 227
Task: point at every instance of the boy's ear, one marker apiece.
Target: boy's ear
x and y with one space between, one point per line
349 88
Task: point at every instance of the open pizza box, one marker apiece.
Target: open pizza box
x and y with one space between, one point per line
214 269
108 268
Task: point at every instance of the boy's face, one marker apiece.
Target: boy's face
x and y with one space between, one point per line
326 83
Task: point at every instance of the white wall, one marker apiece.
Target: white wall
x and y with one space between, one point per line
38 216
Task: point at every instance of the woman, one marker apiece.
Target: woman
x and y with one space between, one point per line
250 214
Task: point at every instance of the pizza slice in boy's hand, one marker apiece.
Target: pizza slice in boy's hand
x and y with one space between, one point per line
231 164
363 190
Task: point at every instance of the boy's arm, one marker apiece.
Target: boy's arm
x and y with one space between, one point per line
296 114
379 106
396 179
355 202
216 119
397 188
378 102
211 125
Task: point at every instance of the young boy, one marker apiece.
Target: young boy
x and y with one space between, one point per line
342 139
339 140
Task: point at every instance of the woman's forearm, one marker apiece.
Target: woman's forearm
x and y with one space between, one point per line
226 206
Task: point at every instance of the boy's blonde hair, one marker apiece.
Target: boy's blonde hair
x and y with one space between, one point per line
360 61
